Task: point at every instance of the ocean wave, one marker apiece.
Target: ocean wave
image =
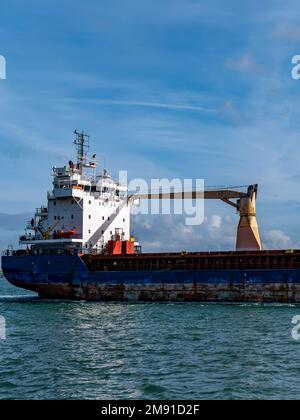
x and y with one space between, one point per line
16 298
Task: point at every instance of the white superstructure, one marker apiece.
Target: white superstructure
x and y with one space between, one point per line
84 209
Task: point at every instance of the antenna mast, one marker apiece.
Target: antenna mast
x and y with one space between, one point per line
82 143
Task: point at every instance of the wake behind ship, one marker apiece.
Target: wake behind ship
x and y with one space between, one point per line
80 246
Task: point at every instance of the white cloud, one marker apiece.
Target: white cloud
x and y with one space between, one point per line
276 239
216 221
231 113
217 233
244 63
169 233
287 32
179 107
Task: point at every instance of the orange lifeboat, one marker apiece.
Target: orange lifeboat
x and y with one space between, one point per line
68 234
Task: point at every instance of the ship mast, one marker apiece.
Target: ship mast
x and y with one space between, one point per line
82 144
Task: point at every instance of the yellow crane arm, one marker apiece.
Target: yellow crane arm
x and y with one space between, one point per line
222 194
248 237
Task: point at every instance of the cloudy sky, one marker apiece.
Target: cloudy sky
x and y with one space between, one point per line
166 88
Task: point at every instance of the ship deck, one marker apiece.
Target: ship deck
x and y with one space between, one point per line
230 260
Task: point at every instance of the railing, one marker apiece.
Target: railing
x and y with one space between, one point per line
163 262
26 252
41 211
52 237
65 192
25 238
57 237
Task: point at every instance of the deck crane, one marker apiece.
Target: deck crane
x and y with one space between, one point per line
248 238
47 233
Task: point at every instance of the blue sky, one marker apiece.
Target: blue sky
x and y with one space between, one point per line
168 88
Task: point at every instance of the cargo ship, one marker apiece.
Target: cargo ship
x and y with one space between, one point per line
80 247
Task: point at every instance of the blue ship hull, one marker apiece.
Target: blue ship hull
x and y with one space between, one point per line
68 277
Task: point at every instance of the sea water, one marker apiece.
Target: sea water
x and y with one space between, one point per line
79 350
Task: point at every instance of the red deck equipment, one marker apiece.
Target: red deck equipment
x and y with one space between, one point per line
127 247
114 247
